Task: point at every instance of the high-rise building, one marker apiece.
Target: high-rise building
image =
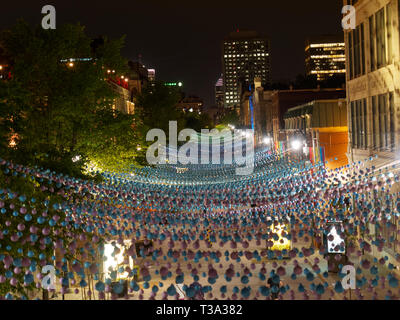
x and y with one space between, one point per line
245 55
151 74
219 92
325 56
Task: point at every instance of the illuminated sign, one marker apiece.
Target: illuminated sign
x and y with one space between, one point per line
335 242
280 241
174 84
115 258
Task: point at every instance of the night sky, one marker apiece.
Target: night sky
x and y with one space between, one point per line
182 39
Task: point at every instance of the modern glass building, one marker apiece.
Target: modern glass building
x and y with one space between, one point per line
245 55
325 56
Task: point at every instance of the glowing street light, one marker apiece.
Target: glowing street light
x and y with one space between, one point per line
296 144
267 140
71 64
114 261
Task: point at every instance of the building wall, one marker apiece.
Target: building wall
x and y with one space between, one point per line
321 123
123 101
373 92
335 144
282 100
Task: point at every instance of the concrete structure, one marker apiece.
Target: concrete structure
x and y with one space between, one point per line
322 127
325 56
373 81
245 55
254 111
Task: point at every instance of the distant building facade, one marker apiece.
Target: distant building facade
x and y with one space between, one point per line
123 101
321 125
219 92
264 110
151 75
138 76
282 100
245 55
325 56
191 104
254 109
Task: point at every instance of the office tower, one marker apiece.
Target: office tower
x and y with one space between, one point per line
245 55
325 56
219 92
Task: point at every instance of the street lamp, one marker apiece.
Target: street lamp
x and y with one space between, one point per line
296 144
267 140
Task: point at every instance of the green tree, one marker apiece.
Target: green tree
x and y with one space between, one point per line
59 106
231 117
157 106
198 121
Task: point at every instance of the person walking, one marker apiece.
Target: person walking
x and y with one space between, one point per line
274 283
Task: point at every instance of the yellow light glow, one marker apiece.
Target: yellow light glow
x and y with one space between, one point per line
70 64
323 45
328 56
113 263
283 243
328 71
1 67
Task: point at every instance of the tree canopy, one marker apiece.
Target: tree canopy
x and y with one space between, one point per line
58 103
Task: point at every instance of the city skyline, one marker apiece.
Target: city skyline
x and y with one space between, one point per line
187 46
